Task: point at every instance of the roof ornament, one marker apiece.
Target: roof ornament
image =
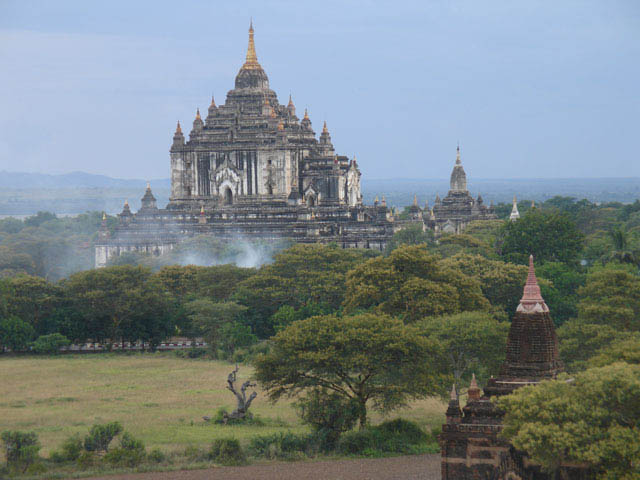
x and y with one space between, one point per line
306 114
532 301
213 102
458 162
474 390
290 101
251 61
415 200
198 114
324 128
178 128
515 214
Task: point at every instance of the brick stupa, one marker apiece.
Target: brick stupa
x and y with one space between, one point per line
470 445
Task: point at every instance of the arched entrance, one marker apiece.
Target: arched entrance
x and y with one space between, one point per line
311 200
228 196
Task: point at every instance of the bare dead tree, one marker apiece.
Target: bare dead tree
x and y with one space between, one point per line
243 403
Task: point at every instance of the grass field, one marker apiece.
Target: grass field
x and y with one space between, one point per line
159 398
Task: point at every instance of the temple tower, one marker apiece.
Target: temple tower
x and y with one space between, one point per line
471 448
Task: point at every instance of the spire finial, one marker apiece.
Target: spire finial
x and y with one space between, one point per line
178 128
454 393
532 298
306 114
104 215
290 101
515 202
148 185
474 390
415 200
198 114
126 203
213 102
458 154
324 127
251 59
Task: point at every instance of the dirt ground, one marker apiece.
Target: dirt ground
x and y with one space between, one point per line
415 467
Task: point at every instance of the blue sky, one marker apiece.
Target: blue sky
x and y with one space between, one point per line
529 89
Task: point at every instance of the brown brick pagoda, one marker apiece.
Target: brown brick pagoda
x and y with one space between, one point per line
470 445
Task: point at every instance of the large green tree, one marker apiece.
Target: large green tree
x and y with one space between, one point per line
592 420
121 303
549 235
298 276
413 284
611 296
472 342
367 358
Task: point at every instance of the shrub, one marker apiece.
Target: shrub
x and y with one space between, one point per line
395 436
329 414
129 453
69 452
193 352
21 448
227 451
86 460
157 456
100 436
195 454
222 418
283 446
50 344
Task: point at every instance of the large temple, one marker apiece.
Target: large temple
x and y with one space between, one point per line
472 448
252 168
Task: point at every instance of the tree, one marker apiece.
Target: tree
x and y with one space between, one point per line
501 282
413 284
366 358
242 402
593 420
621 242
15 333
411 235
50 344
208 318
621 350
21 448
300 275
470 341
34 300
548 235
121 303
579 341
611 296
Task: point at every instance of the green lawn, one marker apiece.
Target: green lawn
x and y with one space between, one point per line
157 397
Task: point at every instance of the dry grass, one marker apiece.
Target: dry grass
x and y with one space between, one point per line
157 397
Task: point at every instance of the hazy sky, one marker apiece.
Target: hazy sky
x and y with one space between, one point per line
528 88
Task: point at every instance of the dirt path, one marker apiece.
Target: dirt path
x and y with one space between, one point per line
415 467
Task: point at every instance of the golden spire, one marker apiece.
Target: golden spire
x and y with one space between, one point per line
306 114
458 155
104 216
252 59
290 101
178 129
415 200
213 102
198 114
324 128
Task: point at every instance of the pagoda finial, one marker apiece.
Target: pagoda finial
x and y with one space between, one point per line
126 203
454 393
104 216
458 162
532 300
324 128
252 59
213 102
474 390
415 200
178 128
306 114
198 114
290 101
148 185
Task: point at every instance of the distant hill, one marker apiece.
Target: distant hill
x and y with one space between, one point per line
71 180
24 194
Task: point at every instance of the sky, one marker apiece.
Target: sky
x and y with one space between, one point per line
535 89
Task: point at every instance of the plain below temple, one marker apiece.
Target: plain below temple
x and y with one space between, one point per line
253 168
